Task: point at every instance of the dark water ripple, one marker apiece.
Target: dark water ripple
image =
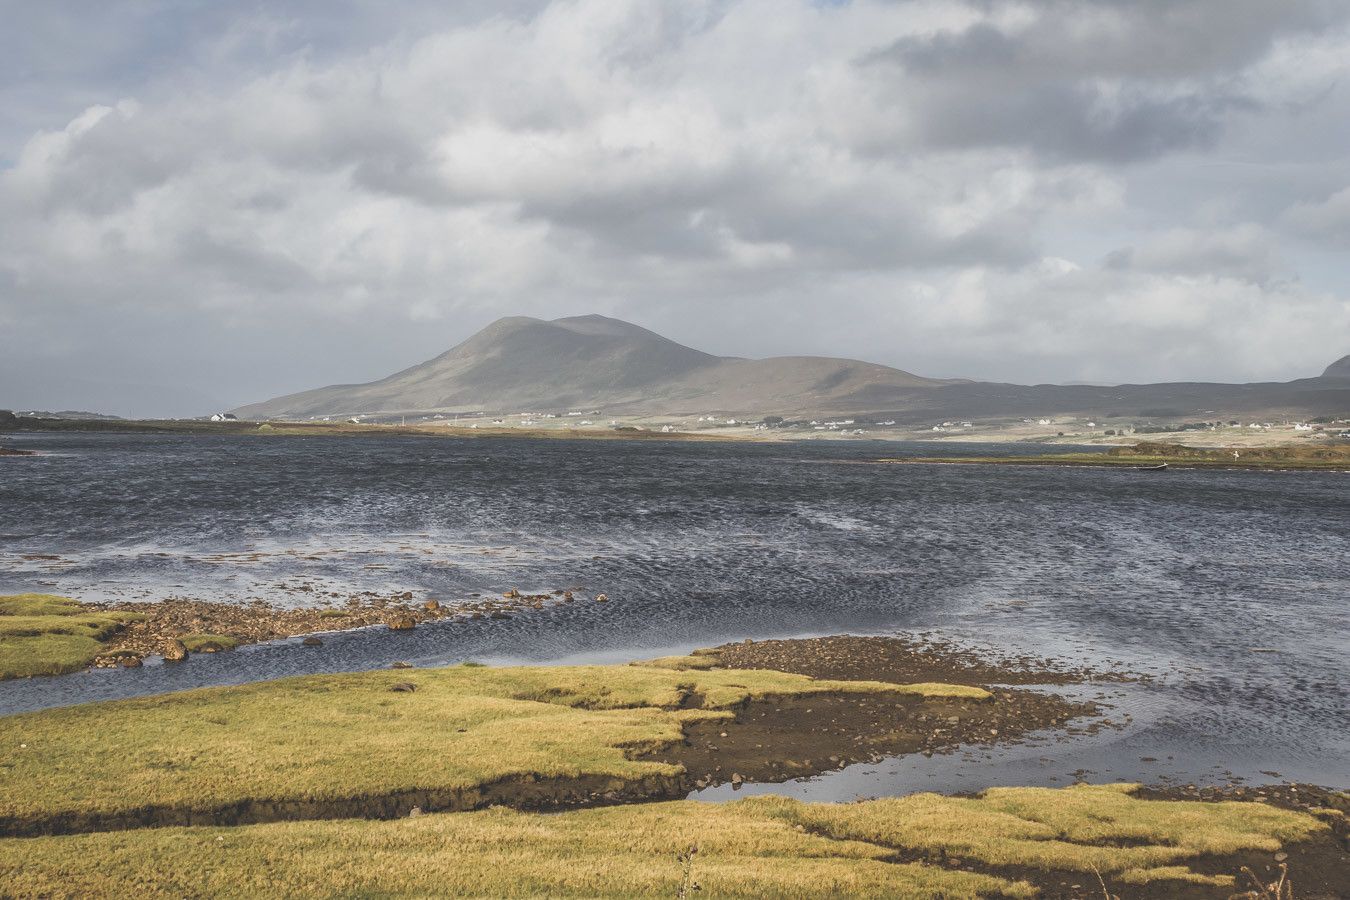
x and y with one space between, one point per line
1181 573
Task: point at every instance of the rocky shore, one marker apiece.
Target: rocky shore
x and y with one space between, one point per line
165 627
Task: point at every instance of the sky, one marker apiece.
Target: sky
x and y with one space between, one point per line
206 204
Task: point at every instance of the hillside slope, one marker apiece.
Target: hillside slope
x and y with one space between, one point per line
521 363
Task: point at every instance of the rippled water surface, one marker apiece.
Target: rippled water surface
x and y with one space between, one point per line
1233 588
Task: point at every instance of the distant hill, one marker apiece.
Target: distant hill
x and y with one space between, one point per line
522 364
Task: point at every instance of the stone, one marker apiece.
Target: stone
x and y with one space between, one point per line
567 595
512 594
1281 856
602 598
403 687
174 650
737 779
312 641
432 605
129 662
402 623
414 812
400 665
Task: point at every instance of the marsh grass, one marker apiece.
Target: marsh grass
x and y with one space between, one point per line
1082 829
41 634
757 847
337 737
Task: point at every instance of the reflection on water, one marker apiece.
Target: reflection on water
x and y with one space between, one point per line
1231 587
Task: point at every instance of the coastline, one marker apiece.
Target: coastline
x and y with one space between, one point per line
53 635
442 765
653 428
1170 456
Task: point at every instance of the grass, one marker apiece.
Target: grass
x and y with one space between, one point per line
759 847
1087 827
41 634
208 643
336 737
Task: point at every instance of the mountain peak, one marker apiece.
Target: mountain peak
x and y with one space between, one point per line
1339 369
524 363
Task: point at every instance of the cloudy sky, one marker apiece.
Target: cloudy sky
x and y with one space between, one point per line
205 204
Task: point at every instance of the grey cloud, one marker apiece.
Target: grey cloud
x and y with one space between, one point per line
1248 252
1098 80
1323 220
344 188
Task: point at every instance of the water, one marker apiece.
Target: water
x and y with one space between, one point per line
1185 575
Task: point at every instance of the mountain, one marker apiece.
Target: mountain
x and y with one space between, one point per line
1339 369
521 364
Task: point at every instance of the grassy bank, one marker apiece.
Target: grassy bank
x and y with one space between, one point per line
1332 459
376 743
139 630
1014 842
317 786
46 635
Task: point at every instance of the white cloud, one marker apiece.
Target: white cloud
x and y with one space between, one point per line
880 179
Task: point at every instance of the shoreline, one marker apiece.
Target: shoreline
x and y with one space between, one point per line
1156 456
214 771
259 622
650 428
128 632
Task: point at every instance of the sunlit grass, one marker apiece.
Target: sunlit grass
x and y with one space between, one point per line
1079 828
41 634
350 736
760 847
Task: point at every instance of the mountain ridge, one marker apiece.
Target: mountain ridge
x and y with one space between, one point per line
525 364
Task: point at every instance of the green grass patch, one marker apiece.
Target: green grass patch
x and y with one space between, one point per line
677 663
766 846
208 643
1077 829
38 605
42 634
335 737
